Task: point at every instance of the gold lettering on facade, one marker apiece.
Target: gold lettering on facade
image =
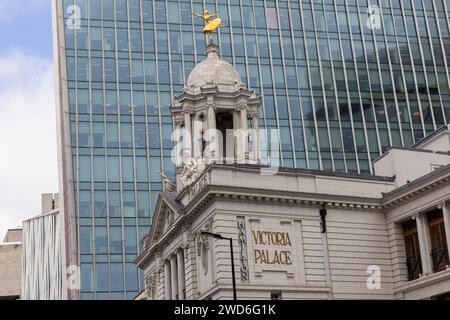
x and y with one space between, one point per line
275 257
273 239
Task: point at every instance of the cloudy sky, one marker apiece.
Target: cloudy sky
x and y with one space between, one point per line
28 159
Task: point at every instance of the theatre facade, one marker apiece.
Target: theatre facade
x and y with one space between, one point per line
375 242
296 234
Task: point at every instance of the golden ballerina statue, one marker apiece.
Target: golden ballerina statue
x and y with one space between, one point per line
211 24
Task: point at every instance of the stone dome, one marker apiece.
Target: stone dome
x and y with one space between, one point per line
214 72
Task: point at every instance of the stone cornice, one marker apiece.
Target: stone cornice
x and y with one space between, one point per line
212 193
284 198
287 172
202 96
423 281
217 287
415 189
395 202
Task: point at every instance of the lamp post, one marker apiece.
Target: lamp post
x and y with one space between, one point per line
323 218
220 237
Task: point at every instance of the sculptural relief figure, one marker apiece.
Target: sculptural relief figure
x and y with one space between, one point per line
210 24
190 169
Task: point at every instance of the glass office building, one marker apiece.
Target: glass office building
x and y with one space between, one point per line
343 80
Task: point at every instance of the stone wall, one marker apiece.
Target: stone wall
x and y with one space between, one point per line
10 269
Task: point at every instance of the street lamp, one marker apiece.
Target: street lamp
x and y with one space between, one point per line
220 237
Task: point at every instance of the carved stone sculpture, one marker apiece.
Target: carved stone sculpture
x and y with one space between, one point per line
190 169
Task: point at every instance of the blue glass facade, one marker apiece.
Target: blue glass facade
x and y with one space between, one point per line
340 88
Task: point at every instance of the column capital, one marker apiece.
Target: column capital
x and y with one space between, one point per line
443 205
187 112
241 106
211 106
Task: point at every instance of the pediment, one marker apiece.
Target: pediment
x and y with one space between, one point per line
163 219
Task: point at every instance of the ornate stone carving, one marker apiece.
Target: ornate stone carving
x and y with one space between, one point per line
150 286
202 242
190 169
203 252
241 106
187 236
187 112
147 242
170 217
159 260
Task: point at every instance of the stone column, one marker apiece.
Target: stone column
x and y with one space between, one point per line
178 146
181 281
188 127
424 243
211 118
244 118
197 139
190 265
446 215
236 122
243 135
173 279
255 125
213 139
167 284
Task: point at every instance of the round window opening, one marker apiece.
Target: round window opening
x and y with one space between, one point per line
202 117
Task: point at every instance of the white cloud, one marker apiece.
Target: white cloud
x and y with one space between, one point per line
10 9
28 156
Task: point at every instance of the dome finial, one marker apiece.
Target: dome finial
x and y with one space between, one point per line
212 51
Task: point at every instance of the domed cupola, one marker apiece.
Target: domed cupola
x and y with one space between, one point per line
214 71
216 119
